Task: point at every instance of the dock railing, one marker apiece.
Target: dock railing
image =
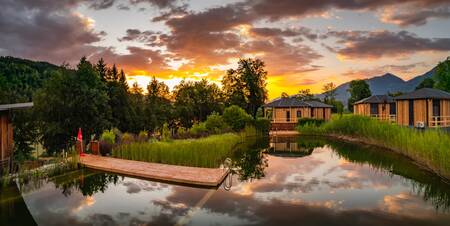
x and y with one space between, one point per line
439 121
385 117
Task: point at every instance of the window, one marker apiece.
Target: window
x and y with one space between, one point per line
436 108
374 109
288 116
312 112
299 114
392 109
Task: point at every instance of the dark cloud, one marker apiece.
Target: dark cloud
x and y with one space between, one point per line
408 17
293 32
158 3
45 31
377 44
102 4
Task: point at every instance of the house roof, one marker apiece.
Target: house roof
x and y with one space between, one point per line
6 107
295 102
425 93
376 99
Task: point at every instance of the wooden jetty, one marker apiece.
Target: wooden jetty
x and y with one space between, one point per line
210 177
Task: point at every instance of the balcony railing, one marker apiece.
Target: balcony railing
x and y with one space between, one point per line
440 121
283 120
390 118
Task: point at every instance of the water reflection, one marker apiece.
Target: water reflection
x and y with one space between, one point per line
335 184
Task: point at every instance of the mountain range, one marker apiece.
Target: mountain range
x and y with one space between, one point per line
382 85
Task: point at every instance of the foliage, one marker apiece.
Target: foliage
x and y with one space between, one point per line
236 117
165 133
143 136
329 91
442 75
194 101
359 89
310 121
429 147
108 137
426 83
262 125
198 129
246 85
305 95
203 152
127 138
158 105
215 123
72 100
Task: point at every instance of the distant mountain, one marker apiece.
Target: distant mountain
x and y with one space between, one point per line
382 85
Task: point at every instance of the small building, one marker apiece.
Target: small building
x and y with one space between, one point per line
424 108
377 106
285 112
6 131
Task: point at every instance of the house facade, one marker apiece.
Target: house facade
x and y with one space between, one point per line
382 107
285 112
424 108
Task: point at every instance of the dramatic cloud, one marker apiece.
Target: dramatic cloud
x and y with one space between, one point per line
377 44
46 31
411 16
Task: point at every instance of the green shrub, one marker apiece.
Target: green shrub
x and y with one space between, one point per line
215 123
165 133
143 136
108 136
236 118
429 147
198 129
262 125
311 121
127 138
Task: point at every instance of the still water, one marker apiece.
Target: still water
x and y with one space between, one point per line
287 181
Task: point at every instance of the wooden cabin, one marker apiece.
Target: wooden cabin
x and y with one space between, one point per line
377 106
6 131
285 112
424 108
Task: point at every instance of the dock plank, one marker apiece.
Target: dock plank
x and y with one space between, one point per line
211 177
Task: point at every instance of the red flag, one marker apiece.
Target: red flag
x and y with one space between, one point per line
80 135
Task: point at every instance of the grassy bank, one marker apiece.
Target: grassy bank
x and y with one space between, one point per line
203 152
430 148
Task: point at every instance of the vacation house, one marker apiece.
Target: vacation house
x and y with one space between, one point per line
284 112
378 106
6 131
424 108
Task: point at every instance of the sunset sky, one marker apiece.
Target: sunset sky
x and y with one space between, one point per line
304 43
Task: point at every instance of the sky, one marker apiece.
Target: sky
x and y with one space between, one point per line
304 43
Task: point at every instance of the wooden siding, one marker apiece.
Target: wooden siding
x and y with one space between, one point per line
279 114
423 111
361 109
6 136
384 111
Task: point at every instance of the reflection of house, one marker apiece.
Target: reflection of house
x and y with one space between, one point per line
6 130
424 107
291 146
378 106
284 112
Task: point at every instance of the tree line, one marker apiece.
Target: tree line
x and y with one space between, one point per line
97 97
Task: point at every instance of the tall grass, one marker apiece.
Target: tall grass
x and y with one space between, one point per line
430 147
203 152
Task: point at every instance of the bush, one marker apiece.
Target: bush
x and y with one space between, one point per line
165 133
143 136
262 125
215 123
108 136
127 138
310 121
236 118
198 129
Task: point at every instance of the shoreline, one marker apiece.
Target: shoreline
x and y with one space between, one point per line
420 163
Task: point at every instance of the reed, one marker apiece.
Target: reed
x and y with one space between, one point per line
430 147
208 152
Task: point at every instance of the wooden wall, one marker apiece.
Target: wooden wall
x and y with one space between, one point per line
279 114
6 136
361 109
445 107
423 111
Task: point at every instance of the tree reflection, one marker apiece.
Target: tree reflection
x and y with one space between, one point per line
88 182
250 159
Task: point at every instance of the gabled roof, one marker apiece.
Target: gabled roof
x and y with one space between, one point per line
425 93
284 102
6 107
376 99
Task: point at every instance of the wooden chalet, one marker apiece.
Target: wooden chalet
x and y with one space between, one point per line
285 112
424 108
382 107
6 131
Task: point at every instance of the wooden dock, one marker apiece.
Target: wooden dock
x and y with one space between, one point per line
210 177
